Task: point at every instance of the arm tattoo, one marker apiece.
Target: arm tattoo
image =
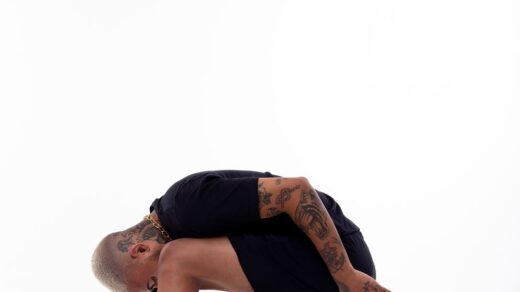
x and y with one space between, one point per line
372 286
271 212
343 288
310 215
332 255
270 208
285 195
264 196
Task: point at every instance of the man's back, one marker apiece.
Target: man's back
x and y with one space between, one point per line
274 253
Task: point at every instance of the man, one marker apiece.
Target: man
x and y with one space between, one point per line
238 231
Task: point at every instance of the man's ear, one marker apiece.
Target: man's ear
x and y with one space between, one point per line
138 249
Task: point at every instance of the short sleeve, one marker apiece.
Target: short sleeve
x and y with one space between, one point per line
214 203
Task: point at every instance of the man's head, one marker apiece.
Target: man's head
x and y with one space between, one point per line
127 260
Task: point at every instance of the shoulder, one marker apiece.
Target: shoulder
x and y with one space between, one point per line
185 249
178 248
177 255
192 254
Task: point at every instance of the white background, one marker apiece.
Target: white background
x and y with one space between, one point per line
407 112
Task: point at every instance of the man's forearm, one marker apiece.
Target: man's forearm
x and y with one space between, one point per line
297 198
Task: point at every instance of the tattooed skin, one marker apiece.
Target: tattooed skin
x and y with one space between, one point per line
265 197
271 212
135 230
331 254
372 286
365 287
139 233
279 180
343 288
309 215
368 286
123 244
285 195
152 233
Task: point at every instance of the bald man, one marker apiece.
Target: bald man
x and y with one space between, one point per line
238 231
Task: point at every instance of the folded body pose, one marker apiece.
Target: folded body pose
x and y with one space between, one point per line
238 231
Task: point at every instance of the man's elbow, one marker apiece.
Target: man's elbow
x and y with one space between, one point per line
300 187
281 194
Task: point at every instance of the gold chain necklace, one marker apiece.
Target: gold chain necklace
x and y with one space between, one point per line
159 227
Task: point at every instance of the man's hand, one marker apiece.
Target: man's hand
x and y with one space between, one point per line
297 198
359 281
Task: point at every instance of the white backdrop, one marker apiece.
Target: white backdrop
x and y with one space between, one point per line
407 112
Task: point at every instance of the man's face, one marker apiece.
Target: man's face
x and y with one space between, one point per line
145 283
145 267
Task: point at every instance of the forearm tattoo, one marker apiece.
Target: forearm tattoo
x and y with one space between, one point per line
271 212
343 288
332 255
310 214
372 286
368 286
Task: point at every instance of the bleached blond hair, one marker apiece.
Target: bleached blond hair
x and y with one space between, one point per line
108 265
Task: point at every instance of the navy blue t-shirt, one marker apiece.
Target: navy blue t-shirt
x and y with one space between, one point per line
274 253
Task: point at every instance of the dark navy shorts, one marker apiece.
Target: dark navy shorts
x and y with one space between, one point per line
290 262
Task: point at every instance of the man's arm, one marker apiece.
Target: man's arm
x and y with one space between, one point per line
298 199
